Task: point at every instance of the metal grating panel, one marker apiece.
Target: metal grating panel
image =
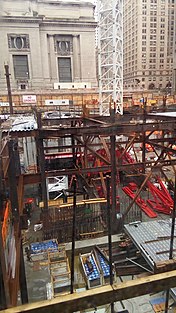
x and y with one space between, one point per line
147 237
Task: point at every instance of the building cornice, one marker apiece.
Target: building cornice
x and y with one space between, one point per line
42 21
21 19
69 22
66 3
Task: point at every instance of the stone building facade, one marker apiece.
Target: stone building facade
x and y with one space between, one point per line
47 44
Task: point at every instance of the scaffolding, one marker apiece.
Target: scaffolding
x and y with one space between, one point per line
110 55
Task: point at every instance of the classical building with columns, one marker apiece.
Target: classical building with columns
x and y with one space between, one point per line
48 44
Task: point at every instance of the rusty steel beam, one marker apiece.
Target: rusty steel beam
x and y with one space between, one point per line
174 169
4 146
155 144
96 120
7 75
36 178
105 146
4 154
98 155
107 130
5 166
123 142
20 193
102 178
127 147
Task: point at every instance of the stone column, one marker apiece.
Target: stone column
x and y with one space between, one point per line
45 58
76 59
53 59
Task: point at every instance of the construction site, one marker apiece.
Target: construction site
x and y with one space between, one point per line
93 200
87 193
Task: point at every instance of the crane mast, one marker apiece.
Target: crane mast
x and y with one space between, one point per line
110 54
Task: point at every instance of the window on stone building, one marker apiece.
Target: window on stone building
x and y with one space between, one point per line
64 69
20 65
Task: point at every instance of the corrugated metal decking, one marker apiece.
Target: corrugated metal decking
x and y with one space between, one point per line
147 237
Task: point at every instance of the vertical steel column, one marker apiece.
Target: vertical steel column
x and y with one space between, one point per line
164 103
171 242
144 140
73 145
113 183
4 292
41 156
22 278
4 289
7 75
113 177
16 215
12 181
109 213
73 236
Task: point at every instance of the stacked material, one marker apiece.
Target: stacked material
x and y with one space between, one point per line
59 270
103 264
91 271
39 250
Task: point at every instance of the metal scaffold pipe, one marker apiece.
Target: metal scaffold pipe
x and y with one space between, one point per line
110 54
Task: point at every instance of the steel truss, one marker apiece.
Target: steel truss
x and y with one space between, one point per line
110 55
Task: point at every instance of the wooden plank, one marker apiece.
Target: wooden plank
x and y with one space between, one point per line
70 202
95 200
100 296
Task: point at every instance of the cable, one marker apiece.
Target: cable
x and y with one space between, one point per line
132 306
107 309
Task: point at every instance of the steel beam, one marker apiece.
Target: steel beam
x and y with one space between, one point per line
73 237
107 130
98 155
12 181
7 75
36 178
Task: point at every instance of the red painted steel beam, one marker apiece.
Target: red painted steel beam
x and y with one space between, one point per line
140 202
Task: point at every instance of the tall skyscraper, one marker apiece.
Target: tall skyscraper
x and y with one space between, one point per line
149 44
